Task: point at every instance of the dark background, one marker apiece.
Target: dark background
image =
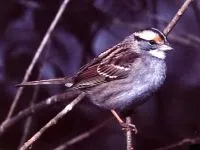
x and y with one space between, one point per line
87 28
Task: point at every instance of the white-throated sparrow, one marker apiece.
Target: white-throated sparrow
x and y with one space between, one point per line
123 75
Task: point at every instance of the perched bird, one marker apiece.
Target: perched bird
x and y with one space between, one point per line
124 75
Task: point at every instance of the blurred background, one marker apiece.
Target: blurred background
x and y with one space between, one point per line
87 28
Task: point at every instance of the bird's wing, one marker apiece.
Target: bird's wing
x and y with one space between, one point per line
112 66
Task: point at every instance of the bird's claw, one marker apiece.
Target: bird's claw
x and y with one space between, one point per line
129 126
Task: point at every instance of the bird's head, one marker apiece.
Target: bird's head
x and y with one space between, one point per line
153 41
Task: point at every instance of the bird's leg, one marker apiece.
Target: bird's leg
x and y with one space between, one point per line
124 124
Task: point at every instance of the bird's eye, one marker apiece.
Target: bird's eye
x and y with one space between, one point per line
152 42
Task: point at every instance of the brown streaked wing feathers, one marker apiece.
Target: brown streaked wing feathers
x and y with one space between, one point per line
88 77
113 67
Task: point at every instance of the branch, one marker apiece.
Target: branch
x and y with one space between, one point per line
36 57
177 17
28 122
181 143
52 122
129 145
35 108
82 136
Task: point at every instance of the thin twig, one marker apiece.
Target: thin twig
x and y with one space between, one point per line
53 121
82 136
28 121
176 18
129 144
183 142
36 108
37 54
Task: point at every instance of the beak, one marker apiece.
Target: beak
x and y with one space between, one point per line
165 47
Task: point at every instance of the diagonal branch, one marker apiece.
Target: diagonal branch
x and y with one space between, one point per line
36 108
177 17
183 142
53 121
37 54
28 122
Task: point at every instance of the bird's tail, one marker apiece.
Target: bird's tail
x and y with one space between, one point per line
65 80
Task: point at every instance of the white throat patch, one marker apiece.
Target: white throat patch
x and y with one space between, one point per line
158 53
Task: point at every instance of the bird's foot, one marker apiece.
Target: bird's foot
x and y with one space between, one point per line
129 126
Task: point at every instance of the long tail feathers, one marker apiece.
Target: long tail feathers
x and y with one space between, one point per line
64 80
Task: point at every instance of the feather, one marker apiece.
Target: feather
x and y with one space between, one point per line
46 82
115 64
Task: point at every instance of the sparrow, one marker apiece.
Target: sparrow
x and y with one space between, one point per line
124 75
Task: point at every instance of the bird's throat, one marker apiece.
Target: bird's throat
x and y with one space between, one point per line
158 54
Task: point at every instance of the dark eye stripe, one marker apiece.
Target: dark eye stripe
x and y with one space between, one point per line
152 42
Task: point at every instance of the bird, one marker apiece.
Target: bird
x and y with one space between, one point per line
123 76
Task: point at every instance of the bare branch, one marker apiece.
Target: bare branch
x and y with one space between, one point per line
129 145
37 54
53 121
176 18
28 122
82 136
35 108
183 142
